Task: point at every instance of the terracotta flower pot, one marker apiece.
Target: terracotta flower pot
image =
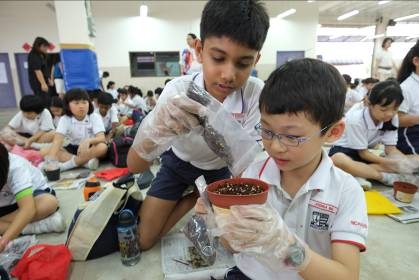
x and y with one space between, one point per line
404 192
227 200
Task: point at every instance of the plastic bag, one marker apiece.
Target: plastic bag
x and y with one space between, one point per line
14 250
43 261
223 134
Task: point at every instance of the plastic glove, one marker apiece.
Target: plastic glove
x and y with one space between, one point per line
177 116
259 231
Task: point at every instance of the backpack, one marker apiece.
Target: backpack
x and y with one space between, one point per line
118 150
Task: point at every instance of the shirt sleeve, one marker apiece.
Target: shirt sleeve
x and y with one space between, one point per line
390 137
97 123
351 224
16 121
63 125
114 115
47 123
356 136
406 103
20 176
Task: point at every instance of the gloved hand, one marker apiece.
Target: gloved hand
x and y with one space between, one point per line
177 116
259 231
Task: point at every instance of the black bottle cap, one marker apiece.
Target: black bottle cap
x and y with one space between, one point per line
126 218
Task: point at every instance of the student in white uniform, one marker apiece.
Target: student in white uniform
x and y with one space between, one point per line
385 67
85 131
369 125
31 124
57 109
314 224
229 50
137 99
352 96
27 204
124 105
109 114
408 78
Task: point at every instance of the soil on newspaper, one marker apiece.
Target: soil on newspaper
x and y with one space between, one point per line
195 259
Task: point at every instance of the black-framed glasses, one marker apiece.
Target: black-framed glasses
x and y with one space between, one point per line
287 140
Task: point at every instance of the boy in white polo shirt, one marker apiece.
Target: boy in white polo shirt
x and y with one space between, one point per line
109 114
232 34
32 123
314 223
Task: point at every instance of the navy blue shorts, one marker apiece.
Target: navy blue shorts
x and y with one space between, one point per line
72 149
11 208
352 153
24 134
176 175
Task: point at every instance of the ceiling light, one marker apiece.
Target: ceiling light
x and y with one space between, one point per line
412 37
310 1
143 11
286 13
373 37
348 15
382 2
406 17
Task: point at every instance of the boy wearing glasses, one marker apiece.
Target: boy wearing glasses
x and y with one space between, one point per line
314 224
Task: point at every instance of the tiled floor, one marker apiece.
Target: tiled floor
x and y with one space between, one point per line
392 253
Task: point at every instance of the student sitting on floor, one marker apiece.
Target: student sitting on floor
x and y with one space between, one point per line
57 109
108 113
85 131
314 223
29 127
124 105
27 204
366 126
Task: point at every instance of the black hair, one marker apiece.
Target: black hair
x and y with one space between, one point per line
104 98
386 40
132 90
122 90
110 83
150 93
244 22
193 36
369 81
305 85
347 79
407 66
76 94
4 165
57 102
386 92
38 42
158 90
105 74
166 81
31 103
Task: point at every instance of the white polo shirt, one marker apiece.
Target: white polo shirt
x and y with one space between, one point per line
385 58
362 133
330 207
76 131
22 175
243 104
139 103
410 88
110 117
123 109
43 121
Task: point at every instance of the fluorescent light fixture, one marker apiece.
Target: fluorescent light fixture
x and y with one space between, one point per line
406 17
382 2
143 11
373 37
310 1
412 37
348 15
286 13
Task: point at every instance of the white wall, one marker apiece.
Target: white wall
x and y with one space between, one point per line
119 31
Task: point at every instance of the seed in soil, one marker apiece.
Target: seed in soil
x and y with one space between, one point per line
238 189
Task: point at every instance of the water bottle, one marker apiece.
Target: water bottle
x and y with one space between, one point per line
128 238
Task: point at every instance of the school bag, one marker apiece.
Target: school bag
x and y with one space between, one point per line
92 232
118 150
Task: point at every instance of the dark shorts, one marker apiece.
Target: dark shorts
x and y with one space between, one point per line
11 208
24 134
408 140
352 153
72 149
176 175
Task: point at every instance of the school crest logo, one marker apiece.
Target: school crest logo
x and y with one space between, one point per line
319 221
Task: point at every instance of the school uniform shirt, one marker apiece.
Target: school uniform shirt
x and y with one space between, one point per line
76 131
410 88
139 103
43 121
329 208
123 109
56 120
244 106
362 133
110 117
352 97
22 175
